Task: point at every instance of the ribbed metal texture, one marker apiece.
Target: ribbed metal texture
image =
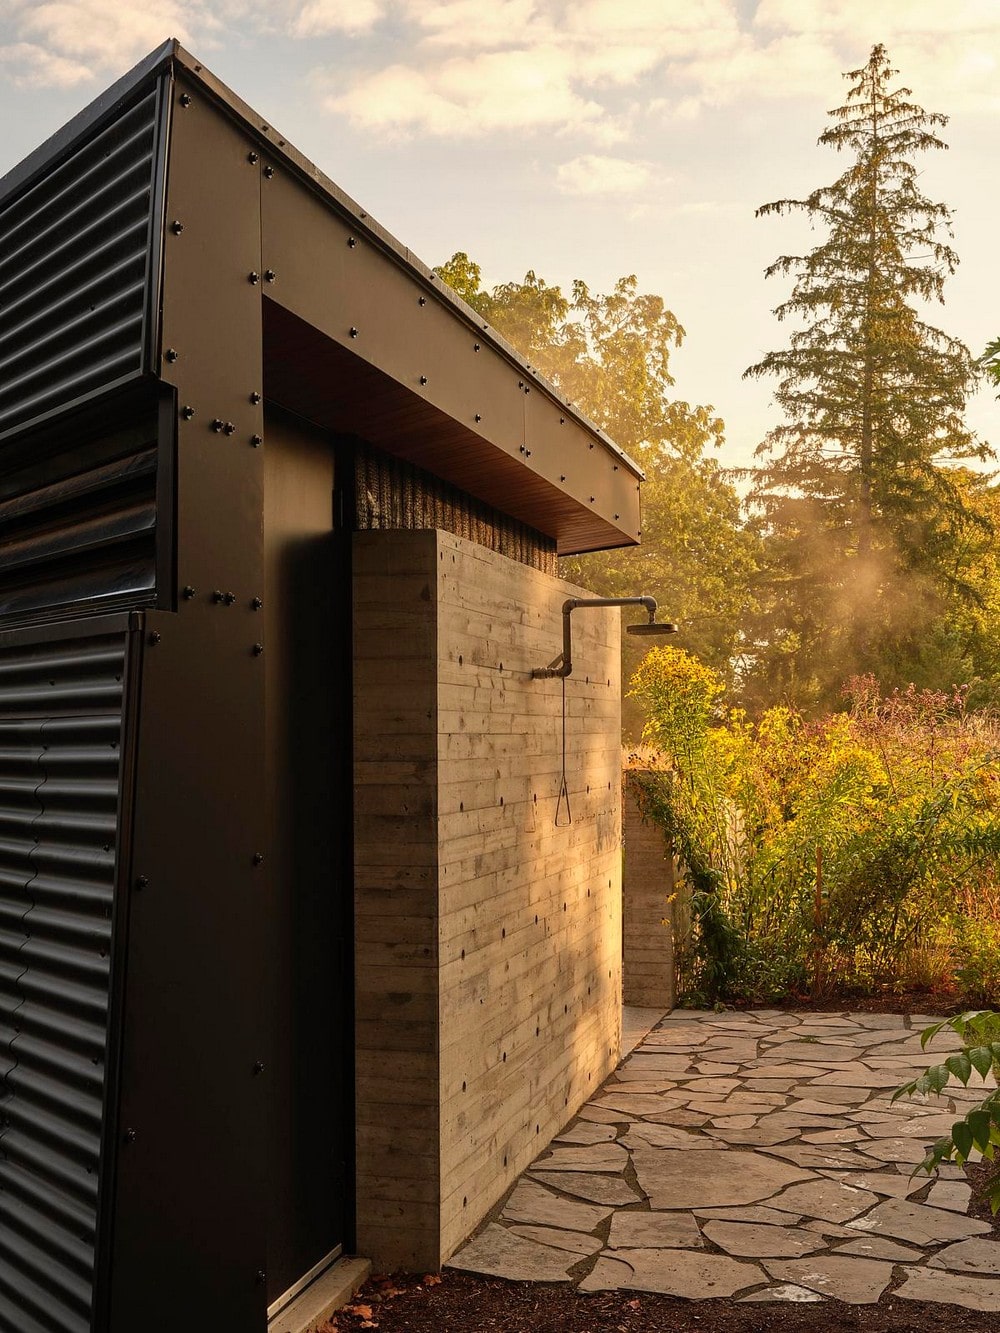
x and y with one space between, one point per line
78 523
60 725
394 494
74 282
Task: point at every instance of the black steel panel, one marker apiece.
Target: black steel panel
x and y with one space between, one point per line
60 747
190 1203
76 271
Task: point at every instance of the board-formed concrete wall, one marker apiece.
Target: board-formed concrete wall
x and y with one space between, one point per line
648 907
488 940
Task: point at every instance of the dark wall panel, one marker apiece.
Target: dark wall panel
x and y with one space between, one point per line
60 746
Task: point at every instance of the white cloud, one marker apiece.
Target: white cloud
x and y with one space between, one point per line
318 18
31 66
464 97
594 175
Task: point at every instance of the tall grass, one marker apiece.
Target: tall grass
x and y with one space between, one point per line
857 852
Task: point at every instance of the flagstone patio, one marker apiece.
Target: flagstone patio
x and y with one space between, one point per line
755 1156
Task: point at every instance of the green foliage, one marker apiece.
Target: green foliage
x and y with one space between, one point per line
978 1131
610 356
839 851
863 516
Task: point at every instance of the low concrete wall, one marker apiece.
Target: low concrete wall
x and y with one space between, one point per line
488 939
648 914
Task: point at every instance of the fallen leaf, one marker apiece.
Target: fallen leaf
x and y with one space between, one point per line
362 1311
432 1280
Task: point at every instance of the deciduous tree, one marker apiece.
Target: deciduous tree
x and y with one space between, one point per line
610 356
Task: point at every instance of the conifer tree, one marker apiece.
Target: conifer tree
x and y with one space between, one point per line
856 495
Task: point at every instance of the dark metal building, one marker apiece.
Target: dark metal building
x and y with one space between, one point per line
213 368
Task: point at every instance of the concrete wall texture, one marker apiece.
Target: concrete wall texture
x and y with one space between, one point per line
650 875
488 940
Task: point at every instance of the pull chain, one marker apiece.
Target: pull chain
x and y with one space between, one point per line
563 785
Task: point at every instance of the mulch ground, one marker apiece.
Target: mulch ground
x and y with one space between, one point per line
463 1303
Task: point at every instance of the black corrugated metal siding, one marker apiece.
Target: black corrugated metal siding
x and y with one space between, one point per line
77 254
78 519
60 732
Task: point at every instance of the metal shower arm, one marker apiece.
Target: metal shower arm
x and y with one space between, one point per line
574 603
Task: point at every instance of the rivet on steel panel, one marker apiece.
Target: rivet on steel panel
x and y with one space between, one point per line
423 379
154 638
253 158
258 858
171 354
229 428
187 411
522 448
478 417
177 227
253 278
527 453
258 1067
229 598
269 275
475 347
260 1277
562 421
258 648
269 172
256 440
353 331
591 444
130 1136
352 242
185 99
562 476
257 604
255 397
617 515
616 467
188 591
142 882
520 384
421 300
217 424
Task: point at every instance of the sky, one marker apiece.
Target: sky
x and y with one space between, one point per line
577 138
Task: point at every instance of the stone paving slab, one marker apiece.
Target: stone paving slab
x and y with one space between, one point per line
757 1156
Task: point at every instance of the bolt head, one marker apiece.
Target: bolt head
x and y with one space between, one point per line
258 648
229 428
142 882
253 278
177 227
257 603
187 412
258 1067
185 99
130 1136
171 354
188 591
353 331
352 242
256 440
229 598
154 638
255 397
258 858
269 172
217 424
253 158
269 275
423 379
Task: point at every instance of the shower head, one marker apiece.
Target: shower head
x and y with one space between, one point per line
652 627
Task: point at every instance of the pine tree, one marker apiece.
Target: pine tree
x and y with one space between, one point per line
856 495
